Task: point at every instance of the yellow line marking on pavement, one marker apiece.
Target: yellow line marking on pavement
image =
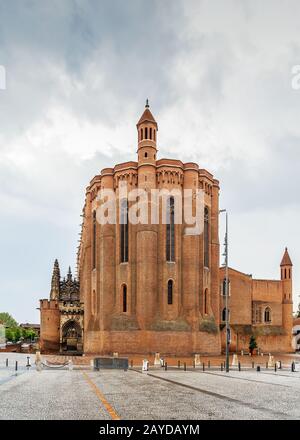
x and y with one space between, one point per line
101 397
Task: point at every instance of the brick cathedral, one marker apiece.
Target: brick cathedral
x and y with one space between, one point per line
146 288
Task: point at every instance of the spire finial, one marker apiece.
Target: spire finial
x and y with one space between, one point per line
147 103
54 292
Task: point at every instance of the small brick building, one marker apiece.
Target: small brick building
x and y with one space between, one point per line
154 287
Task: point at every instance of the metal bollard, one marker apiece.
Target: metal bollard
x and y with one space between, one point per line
178 364
28 362
131 363
275 367
252 364
203 366
7 362
221 366
16 367
184 366
280 365
293 367
166 366
208 364
194 364
239 365
266 364
258 368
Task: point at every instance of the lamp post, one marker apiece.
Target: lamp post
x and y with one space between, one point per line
226 293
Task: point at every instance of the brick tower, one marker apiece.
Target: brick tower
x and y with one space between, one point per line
286 271
150 286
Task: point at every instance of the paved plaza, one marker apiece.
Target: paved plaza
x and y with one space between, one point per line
60 393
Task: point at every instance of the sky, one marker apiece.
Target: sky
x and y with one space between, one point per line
218 75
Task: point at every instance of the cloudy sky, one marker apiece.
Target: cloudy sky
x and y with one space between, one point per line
218 77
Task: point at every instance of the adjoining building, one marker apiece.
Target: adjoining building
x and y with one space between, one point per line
62 315
296 334
145 288
34 327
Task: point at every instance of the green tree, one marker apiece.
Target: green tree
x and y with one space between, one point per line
252 344
18 333
8 320
28 334
9 334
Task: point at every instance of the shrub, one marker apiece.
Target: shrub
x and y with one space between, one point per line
208 325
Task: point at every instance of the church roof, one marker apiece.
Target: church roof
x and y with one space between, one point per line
286 259
296 321
147 115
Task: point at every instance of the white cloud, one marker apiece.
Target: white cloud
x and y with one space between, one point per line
218 76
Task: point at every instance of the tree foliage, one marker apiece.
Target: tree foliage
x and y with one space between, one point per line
252 343
14 334
8 320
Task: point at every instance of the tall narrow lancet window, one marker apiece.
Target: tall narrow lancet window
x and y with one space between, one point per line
224 286
124 231
205 302
93 301
124 298
170 238
267 314
170 292
206 237
94 240
224 314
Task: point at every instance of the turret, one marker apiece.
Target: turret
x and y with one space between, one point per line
147 136
286 268
146 233
55 281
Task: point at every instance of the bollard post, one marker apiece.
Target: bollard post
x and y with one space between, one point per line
28 362
7 362
258 368
208 364
239 365
178 364
266 364
184 366
194 364
280 365
166 366
131 363
293 367
275 367
16 367
221 366
203 366
252 364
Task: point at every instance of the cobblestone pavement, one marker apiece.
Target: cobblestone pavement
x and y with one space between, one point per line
174 394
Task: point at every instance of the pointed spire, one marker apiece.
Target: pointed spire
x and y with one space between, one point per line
55 281
69 276
286 259
147 116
